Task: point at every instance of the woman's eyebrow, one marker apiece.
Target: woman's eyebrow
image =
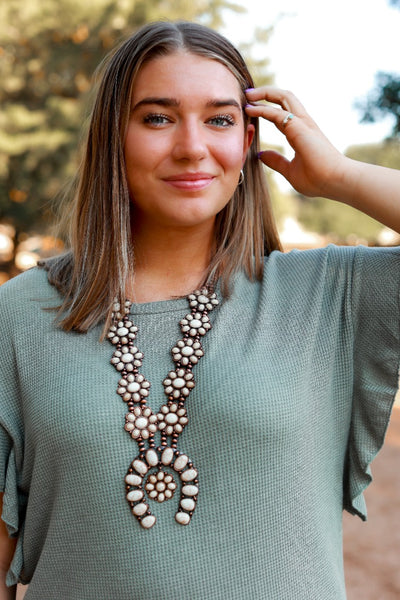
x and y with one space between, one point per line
173 102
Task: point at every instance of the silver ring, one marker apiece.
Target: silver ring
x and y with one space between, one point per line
288 118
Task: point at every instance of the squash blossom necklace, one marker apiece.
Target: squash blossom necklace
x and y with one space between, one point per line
154 471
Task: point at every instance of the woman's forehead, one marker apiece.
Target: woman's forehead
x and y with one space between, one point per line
186 71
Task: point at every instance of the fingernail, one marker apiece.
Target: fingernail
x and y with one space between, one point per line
249 90
260 153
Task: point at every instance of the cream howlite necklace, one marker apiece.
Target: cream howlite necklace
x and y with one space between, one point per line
154 470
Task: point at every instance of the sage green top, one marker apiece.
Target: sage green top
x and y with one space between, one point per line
291 403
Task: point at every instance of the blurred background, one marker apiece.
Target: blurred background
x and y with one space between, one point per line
341 59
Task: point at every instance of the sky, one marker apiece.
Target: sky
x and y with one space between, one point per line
327 53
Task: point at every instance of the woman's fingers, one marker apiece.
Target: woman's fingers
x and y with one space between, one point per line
282 98
275 161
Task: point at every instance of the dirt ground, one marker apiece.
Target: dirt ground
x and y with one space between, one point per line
371 549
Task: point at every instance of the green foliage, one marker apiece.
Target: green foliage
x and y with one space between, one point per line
49 50
386 153
341 221
382 101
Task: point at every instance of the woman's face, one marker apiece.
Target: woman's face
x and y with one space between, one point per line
186 140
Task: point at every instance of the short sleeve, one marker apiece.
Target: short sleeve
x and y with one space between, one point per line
11 443
375 321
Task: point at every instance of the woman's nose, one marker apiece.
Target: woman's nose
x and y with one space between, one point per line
190 142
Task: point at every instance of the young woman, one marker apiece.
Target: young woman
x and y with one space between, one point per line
219 469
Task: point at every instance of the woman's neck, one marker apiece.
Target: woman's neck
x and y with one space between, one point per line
169 263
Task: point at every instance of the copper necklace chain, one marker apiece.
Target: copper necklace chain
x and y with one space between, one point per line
152 474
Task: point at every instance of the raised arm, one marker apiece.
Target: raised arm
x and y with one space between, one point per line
7 547
318 168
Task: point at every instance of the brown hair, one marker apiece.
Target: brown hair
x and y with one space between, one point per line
96 269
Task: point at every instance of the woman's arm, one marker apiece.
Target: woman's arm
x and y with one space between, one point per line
318 168
7 547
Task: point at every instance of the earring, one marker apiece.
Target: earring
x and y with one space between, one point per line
241 177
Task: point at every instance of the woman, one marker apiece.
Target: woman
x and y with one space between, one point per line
240 450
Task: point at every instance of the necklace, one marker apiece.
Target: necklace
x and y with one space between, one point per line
154 470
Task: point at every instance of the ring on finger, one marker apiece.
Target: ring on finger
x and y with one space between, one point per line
288 118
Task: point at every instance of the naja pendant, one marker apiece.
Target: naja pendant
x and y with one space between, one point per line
153 473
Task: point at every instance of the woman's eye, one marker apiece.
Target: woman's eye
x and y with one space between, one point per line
222 120
156 119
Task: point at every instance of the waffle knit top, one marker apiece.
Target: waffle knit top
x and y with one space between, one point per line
291 404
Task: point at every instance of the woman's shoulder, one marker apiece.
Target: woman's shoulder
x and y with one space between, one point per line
333 254
29 287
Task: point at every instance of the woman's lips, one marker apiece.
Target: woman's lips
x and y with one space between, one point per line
190 181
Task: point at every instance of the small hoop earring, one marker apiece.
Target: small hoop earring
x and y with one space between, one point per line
241 177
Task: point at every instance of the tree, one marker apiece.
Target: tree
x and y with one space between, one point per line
384 99
338 220
49 50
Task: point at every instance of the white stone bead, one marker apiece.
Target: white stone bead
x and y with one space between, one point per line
178 383
140 466
160 486
167 456
140 509
122 331
130 417
171 419
126 358
195 323
148 521
132 479
141 422
203 299
181 462
134 495
187 351
152 457
190 490
188 504
182 518
133 387
161 497
189 475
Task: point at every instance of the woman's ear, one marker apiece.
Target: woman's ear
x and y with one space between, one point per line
248 138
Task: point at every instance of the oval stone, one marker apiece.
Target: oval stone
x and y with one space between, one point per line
132 479
190 490
140 509
140 467
188 504
122 331
202 299
141 422
182 518
167 456
126 358
187 351
189 475
134 495
152 457
181 462
148 521
178 383
195 323
133 387
171 418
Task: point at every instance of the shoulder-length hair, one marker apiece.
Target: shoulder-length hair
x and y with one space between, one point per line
94 272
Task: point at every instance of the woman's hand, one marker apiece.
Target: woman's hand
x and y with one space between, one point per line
317 166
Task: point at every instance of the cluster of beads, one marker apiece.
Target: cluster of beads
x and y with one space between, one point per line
147 474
